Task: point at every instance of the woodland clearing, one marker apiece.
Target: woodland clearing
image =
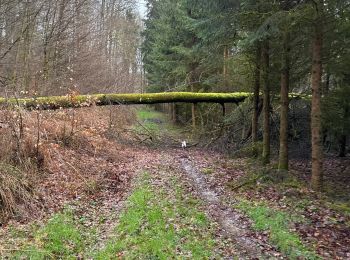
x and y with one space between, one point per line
196 130
122 187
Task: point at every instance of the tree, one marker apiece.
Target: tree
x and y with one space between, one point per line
285 29
53 47
255 19
316 76
335 105
206 41
336 118
256 97
265 65
283 151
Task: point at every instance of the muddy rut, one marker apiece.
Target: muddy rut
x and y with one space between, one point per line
230 221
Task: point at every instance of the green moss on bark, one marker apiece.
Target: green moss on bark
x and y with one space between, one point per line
57 102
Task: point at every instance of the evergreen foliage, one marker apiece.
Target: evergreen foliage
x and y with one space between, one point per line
289 45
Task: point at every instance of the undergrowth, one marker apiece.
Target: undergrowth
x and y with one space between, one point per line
157 128
16 192
150 119
251 150
59 238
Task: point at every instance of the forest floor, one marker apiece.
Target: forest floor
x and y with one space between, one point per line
108 193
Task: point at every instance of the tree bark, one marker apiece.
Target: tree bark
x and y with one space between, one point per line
266 102
194 108
342 145
57 102
175 113
283 152
326 87
343 136
225 69
256 97
317 153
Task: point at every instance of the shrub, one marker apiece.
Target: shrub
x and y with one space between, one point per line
16 193
251 150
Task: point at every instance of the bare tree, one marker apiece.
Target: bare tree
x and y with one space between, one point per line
51 47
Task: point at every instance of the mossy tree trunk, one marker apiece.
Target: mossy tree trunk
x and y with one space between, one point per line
265 63
58 102
283 152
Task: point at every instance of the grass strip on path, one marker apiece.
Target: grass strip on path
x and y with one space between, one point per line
277 223
59 238
161 222
159 126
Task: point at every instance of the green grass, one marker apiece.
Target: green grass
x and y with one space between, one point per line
159 222
157 124
277 223
148 113
59 238
207 171
156 225
149 118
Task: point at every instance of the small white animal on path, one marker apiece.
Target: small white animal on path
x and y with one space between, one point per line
183 144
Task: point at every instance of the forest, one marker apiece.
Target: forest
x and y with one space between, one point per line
174 129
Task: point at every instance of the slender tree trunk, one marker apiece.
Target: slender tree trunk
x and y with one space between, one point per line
256 95
194 108
283 152
223 109
343 137
326 87
177 113
317 153
225 69
26 48
193 84
342 145
266 105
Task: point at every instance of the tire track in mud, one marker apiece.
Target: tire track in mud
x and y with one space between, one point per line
230 221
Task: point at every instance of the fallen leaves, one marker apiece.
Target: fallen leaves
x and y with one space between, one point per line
94 175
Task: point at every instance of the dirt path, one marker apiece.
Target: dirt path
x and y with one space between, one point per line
233 226
94 179
102 213
230 221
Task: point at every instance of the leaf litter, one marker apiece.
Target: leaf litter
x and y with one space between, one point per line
95 177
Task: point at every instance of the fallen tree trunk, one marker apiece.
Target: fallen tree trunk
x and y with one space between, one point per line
74 101
58 102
